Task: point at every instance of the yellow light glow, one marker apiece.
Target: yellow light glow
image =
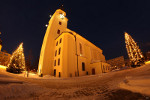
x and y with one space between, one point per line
3 67
46 25
62 16
147 62
19 51
133 50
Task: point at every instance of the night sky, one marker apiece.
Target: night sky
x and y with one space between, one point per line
103 22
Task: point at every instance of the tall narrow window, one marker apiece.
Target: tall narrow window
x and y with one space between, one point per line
59 23
83 66
55 72
56 53
59 74
80 48
55 63
58 61
60 40
58 31
56 43
59 51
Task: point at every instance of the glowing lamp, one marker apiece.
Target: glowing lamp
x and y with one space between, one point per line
46 25
62 16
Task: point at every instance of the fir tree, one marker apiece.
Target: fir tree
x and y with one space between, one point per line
17 60
134 53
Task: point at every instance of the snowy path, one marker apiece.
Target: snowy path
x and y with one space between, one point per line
104 86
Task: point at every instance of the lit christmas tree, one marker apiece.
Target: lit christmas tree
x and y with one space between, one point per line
134 53
17 60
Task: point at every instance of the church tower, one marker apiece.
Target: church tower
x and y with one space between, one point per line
57 24
65 53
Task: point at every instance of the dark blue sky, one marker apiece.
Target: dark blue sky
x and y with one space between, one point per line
103 22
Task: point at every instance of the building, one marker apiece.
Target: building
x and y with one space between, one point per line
118 62
147 55
65 53
4 58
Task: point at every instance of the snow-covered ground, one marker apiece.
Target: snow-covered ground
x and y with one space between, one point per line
130 84
139 83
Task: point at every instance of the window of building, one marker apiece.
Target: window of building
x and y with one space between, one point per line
59 23
56 43
80 48
70 75
56 53
75 73
83 66
58 61
55 63
60 40
58 31
59 74
55 72
87 73
59 51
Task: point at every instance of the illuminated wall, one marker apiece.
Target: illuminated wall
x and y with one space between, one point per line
4 58
65 53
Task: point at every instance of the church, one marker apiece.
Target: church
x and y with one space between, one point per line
64 53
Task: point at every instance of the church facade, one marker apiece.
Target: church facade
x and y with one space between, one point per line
65 53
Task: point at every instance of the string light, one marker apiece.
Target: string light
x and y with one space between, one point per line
18 55
133 50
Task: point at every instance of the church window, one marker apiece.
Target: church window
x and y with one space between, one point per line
56 43
58 31
55 63
83 66
59 74
60 40
59 51
80 48
56 53
59 23
58 61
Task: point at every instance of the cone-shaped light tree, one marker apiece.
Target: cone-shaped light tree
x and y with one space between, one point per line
134 53
17 60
